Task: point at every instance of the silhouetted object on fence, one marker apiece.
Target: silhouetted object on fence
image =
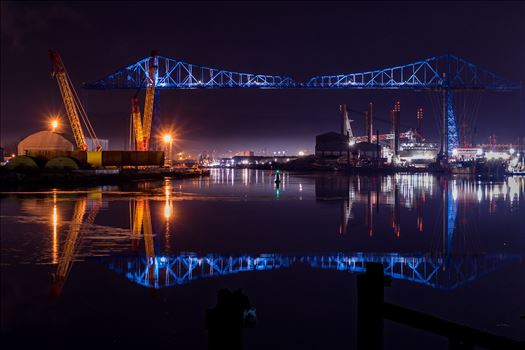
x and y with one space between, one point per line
370 295
226 321
371 310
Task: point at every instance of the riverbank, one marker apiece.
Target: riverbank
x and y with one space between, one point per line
13 179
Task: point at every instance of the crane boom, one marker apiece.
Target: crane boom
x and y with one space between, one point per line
74 110
142 126
59 72
150 97
137 124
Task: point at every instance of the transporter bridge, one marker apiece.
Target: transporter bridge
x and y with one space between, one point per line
446 74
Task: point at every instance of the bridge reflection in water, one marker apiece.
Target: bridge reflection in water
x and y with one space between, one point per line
444 266
164 271
434 271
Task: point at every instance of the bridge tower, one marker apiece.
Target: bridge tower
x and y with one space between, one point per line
450 139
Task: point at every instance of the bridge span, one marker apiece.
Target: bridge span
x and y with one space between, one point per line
444 73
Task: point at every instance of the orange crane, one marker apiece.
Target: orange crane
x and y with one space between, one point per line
74 109
141 126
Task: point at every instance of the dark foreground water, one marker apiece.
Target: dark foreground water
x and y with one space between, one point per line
139 266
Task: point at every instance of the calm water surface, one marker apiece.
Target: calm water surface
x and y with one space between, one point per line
139 265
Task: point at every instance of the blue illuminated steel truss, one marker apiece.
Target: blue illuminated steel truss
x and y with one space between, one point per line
174 74
431 270
452 136
446 73
436 73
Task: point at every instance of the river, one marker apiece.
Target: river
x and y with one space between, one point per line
139 265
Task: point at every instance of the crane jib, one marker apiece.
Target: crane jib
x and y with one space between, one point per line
75 111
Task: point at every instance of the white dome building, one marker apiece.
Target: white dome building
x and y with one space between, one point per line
44 141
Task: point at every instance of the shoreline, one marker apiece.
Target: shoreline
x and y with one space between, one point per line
11 180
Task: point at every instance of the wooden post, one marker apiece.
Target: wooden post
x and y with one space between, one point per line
370 295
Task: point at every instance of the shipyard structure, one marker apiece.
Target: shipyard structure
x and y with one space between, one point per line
409 149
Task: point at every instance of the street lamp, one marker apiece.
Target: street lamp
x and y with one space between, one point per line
168 141
54 125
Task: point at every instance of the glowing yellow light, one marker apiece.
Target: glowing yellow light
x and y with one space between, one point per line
167 138
54 125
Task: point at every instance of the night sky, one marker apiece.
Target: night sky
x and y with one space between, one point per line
295 39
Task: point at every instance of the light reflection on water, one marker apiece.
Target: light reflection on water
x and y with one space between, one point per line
437 233
374 205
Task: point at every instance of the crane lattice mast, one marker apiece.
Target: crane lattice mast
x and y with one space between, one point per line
141 126
74 109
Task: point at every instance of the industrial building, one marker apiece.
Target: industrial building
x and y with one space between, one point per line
246 154
336 146
418 153
346 148
342 147
46 140
331 144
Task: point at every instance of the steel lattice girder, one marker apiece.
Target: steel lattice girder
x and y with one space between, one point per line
452 130
435 73
444 272
174 74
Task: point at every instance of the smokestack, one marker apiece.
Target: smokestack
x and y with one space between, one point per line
378 150
370 117
419 129
393 130
396 117
344 116
367 118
